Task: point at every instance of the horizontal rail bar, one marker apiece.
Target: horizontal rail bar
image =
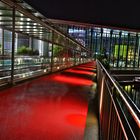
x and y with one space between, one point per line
133 113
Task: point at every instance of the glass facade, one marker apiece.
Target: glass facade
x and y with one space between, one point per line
30 47
120 47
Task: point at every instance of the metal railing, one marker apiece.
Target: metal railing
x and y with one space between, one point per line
119 116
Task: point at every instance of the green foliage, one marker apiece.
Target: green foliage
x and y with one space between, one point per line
23 50
102 58
105 62
57 51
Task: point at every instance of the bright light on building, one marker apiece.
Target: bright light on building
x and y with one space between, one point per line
28 19
64 59
35 23
21 23
21 19
21 15
21 26
23 75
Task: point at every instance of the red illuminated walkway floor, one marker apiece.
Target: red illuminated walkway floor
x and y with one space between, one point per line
52 107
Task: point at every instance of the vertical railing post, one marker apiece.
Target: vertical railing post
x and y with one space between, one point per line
101 95
52 62
2 42
13 47
109 122
3 48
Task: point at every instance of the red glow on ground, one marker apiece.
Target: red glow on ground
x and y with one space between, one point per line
77 120
89 68
73 80
79 72
84 68
48 108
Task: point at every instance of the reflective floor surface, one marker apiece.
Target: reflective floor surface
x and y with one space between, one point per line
53 107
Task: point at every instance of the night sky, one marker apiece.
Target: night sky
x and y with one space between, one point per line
118 13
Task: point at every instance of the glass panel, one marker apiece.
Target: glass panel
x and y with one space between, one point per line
59 57
122 48
33 44
1 41
5 59
70 57
115 48
7 42
97 44
78 33
32 58
131 51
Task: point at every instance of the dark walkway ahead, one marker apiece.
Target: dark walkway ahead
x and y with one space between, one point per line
53 107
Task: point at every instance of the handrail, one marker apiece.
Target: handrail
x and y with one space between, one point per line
135 115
